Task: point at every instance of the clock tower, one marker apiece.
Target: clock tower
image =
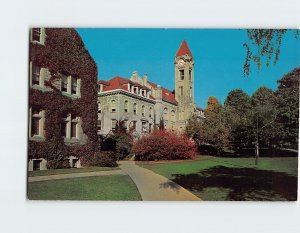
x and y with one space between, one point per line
184 83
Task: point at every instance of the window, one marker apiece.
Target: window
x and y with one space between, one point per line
135 108
99 125
143 110
64 83
113 106
150 128
181 91
64 126
36 34
191 91
165 113
36 122
36 164
144 126
36 75
74 85
124 124
99 108
173 115
73 126
113 124
69 126
126 106
150 112
133 126
190 75
181 74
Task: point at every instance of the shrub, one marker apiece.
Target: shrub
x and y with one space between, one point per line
99 159
164 145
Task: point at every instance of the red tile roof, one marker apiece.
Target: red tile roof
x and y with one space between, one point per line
167 95
120 83
184 49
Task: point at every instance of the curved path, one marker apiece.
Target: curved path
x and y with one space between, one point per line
154 187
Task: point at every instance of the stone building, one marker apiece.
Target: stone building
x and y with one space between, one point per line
141 104
58 83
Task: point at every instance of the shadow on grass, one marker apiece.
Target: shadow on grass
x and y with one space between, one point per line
240 184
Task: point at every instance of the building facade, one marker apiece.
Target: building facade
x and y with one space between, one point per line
62 79
141 104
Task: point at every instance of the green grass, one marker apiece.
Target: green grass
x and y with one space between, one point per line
213 178
115 187
69 170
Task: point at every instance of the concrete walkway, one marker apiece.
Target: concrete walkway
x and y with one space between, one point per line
154 187
75 175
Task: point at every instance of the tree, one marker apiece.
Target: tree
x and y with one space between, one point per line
194 129
215 131
263 118
288 109
264 47
236 110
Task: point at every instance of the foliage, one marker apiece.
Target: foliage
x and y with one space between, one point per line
264 46
288 109
215 130
164 145
194 129
237 108
102 159
64 52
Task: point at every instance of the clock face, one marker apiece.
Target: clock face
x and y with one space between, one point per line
181 62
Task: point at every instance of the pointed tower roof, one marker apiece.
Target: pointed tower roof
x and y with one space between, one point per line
184 49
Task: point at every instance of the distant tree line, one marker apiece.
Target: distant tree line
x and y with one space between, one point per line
266 119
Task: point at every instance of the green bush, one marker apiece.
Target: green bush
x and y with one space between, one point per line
100 159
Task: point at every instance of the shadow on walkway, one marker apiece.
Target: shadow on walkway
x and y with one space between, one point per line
242 184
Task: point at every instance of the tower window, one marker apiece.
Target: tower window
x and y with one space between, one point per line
191 90
181 91
190 75
181 74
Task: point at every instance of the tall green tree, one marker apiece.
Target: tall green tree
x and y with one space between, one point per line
237 109
288 109
194 129
215 130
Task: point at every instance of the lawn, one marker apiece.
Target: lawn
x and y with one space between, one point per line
114 187
69 170
213 178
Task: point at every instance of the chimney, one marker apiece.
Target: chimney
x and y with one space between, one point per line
145 79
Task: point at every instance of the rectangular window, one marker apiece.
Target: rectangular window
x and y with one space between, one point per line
181 74
74 86
181 91
99 125
113 124
64 83
36 122
36 34
37 164
36 73
74 130
150 128
190 75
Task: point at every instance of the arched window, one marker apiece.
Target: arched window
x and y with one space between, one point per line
126 106
172 115
143 110
135 108
113 105
150 112
165 113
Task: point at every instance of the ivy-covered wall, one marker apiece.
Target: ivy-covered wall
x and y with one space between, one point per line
64 52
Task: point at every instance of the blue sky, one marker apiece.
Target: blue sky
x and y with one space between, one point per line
219 57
